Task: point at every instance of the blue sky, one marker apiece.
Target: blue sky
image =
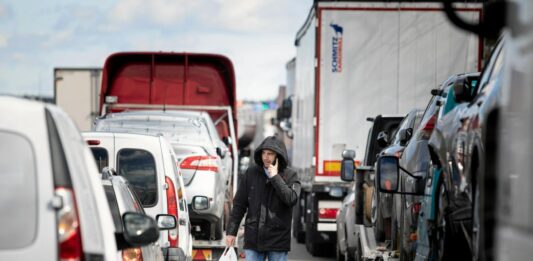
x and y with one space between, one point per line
38 36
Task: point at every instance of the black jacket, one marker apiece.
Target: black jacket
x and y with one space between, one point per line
267 202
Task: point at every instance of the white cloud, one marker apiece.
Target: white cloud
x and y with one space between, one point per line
58 37
4 41
161 12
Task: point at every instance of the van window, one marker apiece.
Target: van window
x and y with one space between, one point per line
138 167
17 188
100 156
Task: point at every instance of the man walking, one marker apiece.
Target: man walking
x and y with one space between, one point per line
267 193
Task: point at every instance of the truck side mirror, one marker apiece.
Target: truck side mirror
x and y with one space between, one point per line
348 165
388 174
405 135
383 139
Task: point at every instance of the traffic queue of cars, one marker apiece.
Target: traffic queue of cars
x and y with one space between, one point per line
131 205
429 213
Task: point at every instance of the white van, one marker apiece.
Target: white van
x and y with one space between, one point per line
150 166
52 202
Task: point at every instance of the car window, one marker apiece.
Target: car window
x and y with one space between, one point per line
138 167
488 71
403 125
418 119
113 206
101 157
17 188
495 72
430 110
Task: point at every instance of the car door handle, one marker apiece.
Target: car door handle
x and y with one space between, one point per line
183 222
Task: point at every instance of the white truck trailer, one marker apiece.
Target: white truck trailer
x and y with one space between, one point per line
76 90
357 60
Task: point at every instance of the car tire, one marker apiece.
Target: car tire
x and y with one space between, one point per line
483 219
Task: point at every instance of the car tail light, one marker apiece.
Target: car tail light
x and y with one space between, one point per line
416 208
93 142
328 213
430 124
172 207
132 254
68 227
200 163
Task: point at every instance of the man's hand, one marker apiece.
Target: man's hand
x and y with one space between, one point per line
230 240
273 169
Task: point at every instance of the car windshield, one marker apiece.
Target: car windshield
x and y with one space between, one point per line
178 130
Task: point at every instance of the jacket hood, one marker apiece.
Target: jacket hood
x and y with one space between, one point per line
276 145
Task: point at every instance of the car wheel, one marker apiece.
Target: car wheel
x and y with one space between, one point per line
483 221
442 247
377 218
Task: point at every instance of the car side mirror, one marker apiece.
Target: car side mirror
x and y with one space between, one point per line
139 229
388 174
383 139
221 152
200 203
166 222
405 136
348 165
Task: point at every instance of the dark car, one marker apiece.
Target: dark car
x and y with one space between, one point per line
415 164
384 215
464 191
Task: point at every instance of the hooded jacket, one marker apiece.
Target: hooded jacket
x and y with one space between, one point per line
267 202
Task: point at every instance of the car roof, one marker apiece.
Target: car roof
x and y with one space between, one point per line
158 113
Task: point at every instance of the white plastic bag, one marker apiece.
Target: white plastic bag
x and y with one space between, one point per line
228 255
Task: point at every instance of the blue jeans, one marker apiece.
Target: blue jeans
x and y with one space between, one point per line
252 255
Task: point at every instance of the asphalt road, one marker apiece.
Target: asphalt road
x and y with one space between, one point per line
299 253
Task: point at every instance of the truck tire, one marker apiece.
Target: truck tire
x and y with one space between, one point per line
311 247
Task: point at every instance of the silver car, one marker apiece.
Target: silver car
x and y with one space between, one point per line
204 159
